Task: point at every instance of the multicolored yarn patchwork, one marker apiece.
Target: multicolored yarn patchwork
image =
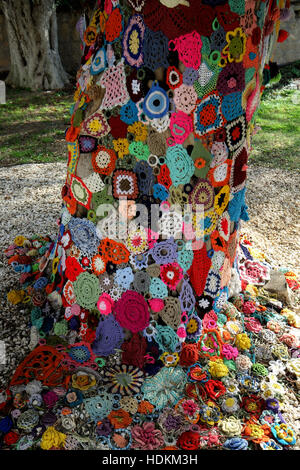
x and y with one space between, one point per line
152 331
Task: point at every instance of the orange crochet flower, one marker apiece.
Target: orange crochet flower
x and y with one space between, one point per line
120 419
257 432
145 407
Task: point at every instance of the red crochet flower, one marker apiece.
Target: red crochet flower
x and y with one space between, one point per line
73 268
171 274
253 404
189 440
189 355
132 311
11 438
215 389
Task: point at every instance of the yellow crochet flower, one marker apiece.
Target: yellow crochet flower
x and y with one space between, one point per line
218 369
253 291
170 359
236 45
121 146
292 318
83 381
52 438
256 431
242 341
19 240
139 130
16 296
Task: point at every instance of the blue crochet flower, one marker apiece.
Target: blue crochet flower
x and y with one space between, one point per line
236 443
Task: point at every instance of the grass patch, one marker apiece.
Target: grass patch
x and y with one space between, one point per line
32 127
277 144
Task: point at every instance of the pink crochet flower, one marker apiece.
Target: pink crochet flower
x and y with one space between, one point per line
249 307
146 437
254 272
290 340
229 352
105 304
253 324
189 407
156 305
209 321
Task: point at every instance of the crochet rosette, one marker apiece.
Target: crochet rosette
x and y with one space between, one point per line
148 327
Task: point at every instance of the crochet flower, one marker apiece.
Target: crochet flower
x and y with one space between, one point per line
52 439
253 404
293 365
243 363
256 432
231 426
50 398
189 440
229 352
252 324
236 443
230 404
105 304
83 381
242 341
218 368
254 272
126 380
132 311
166 387
146 437
172 421
171 274
120 419
284 434
215 389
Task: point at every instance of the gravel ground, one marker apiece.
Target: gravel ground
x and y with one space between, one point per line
30 204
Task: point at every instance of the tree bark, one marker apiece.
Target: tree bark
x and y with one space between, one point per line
33 44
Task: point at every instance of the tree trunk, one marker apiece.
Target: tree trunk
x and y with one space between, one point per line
33 44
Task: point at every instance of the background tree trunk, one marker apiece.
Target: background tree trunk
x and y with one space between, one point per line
33 43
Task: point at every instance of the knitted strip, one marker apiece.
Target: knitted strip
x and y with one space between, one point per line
198 272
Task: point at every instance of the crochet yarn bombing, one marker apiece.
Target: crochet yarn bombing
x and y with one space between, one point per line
141 338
